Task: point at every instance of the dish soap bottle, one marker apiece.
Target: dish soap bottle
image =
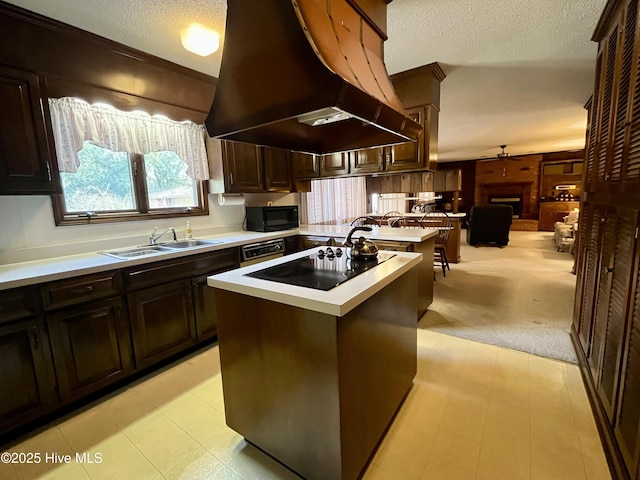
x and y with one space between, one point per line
188 234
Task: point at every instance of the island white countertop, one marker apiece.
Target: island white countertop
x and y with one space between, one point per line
338 301
417 235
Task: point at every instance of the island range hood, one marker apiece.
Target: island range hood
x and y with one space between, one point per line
305 75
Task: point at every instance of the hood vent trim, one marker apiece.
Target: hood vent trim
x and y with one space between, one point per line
297 75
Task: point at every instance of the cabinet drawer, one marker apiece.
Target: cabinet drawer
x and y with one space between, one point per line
18 303
165 271
81 289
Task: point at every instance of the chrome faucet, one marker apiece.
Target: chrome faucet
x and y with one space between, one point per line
153 237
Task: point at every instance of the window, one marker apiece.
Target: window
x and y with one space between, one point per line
334 201
117 166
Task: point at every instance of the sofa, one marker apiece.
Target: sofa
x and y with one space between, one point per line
564 232
489 225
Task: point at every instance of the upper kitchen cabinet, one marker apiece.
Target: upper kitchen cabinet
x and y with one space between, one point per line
249 168
25 162
305 165
368 160
277 170
334 164
242 164
410 155
419 91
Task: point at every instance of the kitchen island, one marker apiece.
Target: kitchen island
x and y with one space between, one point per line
421 240
314 377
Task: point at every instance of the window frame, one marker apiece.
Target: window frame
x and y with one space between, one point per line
143 212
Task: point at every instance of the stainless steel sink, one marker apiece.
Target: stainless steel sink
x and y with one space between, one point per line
135 252
189 243
145 250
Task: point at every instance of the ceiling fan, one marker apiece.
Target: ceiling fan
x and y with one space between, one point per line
504 156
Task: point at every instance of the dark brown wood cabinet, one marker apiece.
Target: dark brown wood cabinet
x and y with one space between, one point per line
26 165
305 165
91 346
249 168
170 305
410 155
334 164
89 332
26 376
605 327
162 321
277 170
204 304
368 160
242 165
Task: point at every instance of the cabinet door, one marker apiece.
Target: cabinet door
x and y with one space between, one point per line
277 170
334 164
162 321
611 304
627 425
205 308
25 161
591 268
26 376
369 160
305 165
242 166
410 155
91 346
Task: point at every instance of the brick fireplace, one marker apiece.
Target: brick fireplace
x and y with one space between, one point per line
515 181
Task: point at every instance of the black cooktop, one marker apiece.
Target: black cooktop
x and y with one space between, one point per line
322 271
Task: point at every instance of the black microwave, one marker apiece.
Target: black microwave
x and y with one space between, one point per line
271 219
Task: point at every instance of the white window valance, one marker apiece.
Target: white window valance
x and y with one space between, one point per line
75 121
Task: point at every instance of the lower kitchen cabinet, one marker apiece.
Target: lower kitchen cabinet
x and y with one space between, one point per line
26 376
91 346
162 321
204 305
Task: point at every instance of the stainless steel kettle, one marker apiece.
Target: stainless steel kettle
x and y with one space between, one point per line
360 249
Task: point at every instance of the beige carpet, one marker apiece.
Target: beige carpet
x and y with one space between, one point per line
520 296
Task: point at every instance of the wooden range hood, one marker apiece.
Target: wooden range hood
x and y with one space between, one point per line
290 64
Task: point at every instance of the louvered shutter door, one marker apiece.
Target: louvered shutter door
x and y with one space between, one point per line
617 310
586 217
602 295
591 277
592 149
615 172
607 95
627 427
631 166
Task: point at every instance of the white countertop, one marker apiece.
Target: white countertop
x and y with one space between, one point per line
337 301
58 268
38 271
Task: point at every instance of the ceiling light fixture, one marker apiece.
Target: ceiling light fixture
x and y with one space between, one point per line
200 40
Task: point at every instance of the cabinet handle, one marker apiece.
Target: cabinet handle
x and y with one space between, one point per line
33 336
609 270
389 158
230 178
87 289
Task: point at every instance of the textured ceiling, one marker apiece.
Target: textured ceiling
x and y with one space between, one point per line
518 72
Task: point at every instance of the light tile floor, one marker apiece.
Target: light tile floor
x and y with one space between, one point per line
476 411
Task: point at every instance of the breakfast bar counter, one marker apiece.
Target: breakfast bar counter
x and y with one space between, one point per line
314 377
